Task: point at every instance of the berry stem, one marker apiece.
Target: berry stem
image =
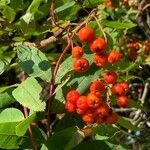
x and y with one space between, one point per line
52 82
100 27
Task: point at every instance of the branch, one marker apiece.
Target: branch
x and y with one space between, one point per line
52 83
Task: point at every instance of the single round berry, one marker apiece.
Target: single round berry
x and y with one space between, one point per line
125 85
93 101
81 65
82 103
88 117
77 52
123 101
100 60
110 77
112 118
72 96
86 34
102 110
98 45
110 4
97 87
118 89
114 57
70 107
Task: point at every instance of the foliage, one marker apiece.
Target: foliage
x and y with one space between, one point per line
33 37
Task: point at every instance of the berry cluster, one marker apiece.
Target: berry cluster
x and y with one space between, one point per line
98 46
92 107
135 45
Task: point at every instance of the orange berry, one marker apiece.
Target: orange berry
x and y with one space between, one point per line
100 60
88 118
97 87
77 52
110 4
98 45
82 103
93 101
81 65
102 110
112 118
125 85
114 57
118 89
70 107
110 77
72 96
123 101
86 34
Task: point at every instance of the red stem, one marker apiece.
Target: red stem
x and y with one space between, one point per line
52 83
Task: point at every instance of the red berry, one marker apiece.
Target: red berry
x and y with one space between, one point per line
98 45
112 118
102 110
72 96
77 52
81 65
118 89
93 101
97 87
110 4
70 107
80 111
88 117
110 77
86 34
82 103
123 101
100 60
114 57
125 85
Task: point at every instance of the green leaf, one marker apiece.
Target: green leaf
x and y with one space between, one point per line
9 140
115 147
34 62
105 132
118 25
4 88
22 127
92 145
127 124
64 68
28 94
129 77
5 60
65 6
92 3
82 81
136 104
61 140
8 12
67 121
10 115
6 98
34 6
